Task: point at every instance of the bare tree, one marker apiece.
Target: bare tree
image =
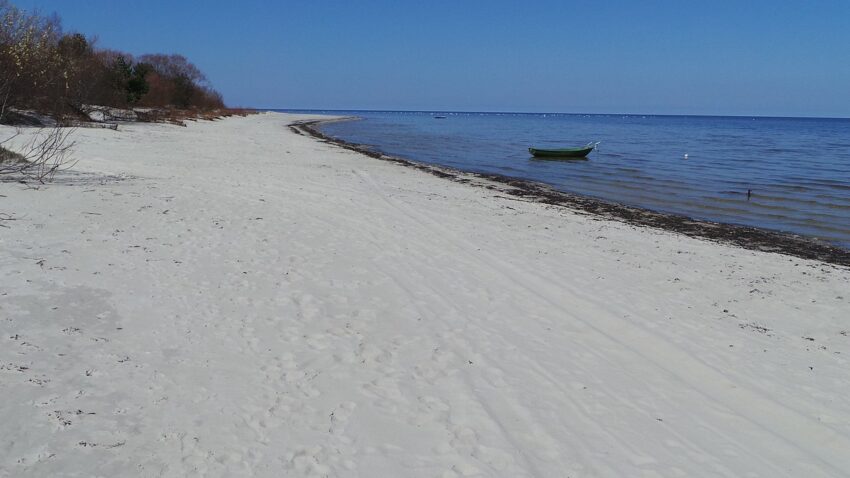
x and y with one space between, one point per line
27 54
40 157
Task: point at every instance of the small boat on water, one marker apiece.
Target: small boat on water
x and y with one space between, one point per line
439 117
564 152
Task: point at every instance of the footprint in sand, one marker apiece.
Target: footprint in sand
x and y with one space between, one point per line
339 417
430 410
387 394
318 461
373 356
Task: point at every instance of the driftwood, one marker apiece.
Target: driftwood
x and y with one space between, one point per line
93 124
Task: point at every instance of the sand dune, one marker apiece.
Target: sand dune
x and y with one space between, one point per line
233 299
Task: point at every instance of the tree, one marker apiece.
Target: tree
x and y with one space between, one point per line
179 82
137 85
29 67
29 57
59 74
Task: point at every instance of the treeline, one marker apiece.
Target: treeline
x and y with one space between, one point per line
60 74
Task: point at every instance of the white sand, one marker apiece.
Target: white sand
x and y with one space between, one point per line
250 302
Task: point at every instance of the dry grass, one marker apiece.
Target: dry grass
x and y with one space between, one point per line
7 156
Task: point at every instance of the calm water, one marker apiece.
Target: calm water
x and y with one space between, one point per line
798 168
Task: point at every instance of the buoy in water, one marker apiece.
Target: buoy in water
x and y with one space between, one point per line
686 155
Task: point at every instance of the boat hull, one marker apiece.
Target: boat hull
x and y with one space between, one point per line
560 153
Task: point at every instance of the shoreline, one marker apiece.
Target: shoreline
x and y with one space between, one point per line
747 237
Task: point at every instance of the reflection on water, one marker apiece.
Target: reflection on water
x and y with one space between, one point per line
797 169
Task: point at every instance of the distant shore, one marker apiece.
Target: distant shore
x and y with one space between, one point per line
743 236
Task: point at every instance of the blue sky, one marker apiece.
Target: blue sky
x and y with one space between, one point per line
745 57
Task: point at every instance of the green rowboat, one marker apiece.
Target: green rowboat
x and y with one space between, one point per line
563 152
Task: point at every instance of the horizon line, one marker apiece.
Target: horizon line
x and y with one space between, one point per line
554 113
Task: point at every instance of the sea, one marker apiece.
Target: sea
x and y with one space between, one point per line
784 174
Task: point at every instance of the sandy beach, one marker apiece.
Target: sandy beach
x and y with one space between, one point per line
233 298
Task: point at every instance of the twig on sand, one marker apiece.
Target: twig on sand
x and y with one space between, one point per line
5 217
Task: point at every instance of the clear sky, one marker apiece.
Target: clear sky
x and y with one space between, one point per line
736 57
